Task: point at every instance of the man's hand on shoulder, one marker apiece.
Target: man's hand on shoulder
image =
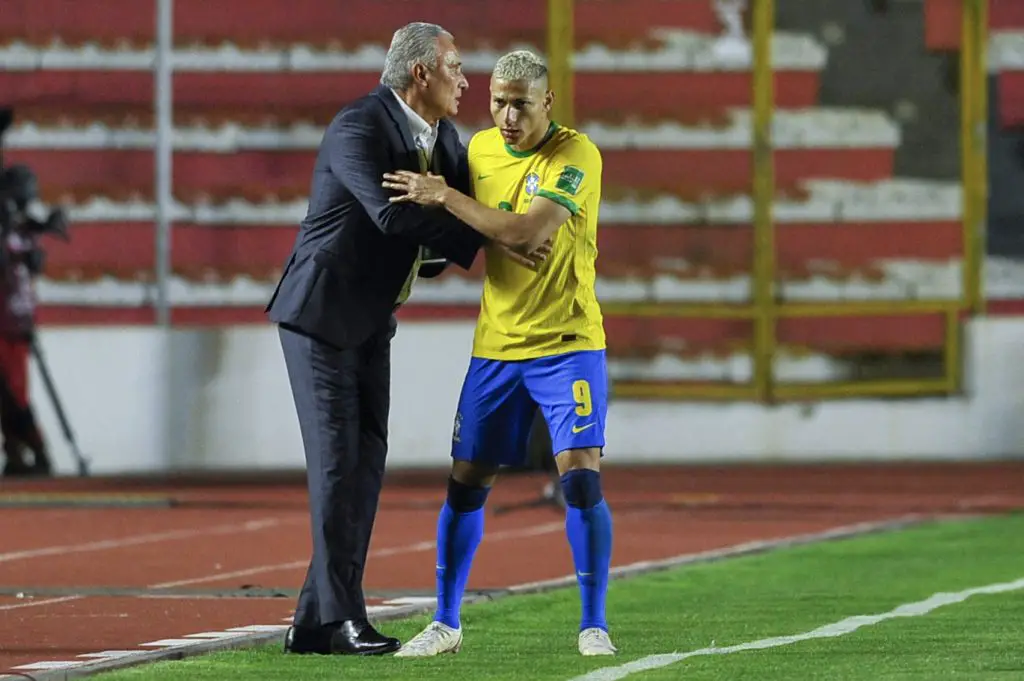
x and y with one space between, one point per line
426 190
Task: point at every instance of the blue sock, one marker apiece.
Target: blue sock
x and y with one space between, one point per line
588 524
460 527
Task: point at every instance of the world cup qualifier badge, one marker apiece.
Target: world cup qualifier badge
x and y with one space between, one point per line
570 180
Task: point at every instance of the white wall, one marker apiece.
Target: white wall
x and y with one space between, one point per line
140 400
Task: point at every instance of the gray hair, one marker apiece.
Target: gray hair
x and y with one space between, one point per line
520 65
414 43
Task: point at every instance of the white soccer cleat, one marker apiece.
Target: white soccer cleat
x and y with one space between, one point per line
436 639
596 641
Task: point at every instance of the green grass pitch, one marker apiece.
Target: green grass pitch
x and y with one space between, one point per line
735 601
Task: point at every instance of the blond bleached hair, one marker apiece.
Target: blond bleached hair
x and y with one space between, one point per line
520 65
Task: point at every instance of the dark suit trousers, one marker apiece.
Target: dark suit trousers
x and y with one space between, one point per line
342 397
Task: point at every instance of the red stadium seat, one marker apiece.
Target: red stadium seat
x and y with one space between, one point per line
644 338
626 250
220 254
1011 99
943 21
652 96
351 23
286 173
139 115
631 337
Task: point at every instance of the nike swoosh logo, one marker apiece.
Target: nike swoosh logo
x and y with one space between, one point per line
482 177
580 429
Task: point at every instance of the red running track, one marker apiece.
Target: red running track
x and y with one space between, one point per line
113 579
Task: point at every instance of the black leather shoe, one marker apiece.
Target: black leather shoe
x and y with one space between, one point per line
351 637
304 641
358 637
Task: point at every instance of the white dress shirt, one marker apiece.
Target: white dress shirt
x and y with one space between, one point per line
424 135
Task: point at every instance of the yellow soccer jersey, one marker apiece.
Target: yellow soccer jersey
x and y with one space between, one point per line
526 314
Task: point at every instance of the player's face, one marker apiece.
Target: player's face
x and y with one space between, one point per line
521 110
444 84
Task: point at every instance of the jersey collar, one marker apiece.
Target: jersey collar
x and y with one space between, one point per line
530 152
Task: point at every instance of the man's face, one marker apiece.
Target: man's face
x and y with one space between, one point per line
521 110
442 86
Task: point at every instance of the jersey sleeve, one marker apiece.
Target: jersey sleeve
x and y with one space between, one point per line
572 175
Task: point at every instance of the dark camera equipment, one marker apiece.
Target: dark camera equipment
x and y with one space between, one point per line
6 121
19 187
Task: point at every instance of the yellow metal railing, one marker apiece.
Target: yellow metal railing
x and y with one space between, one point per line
764 197
947 383
765 310
973 147
561 41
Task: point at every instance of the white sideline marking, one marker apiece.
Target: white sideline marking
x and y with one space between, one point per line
171 643
216 635
35 604
389 605
249 526
41 666
545 528
103 544
840 628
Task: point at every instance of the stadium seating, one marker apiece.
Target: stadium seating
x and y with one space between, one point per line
354 23
667 158
1006 22
252 92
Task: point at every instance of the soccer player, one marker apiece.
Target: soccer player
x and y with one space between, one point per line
539 340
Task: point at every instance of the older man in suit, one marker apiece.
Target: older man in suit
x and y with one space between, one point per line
354 261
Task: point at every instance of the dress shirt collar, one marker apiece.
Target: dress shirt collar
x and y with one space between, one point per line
423 133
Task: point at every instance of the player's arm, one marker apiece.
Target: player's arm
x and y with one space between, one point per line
357 158
573 174
434 264
520 231
508 245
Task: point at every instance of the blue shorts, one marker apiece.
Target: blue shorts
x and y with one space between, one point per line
500 398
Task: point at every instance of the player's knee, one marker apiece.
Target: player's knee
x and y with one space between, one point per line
582 457
474 474
582 488
463 498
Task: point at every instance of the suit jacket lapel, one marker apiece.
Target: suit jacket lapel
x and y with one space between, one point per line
446 139
445 147
401 122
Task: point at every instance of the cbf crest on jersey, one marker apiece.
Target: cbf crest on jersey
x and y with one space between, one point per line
532 184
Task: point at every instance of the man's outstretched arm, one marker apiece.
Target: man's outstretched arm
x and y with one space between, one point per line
573 176
521 232
357 158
